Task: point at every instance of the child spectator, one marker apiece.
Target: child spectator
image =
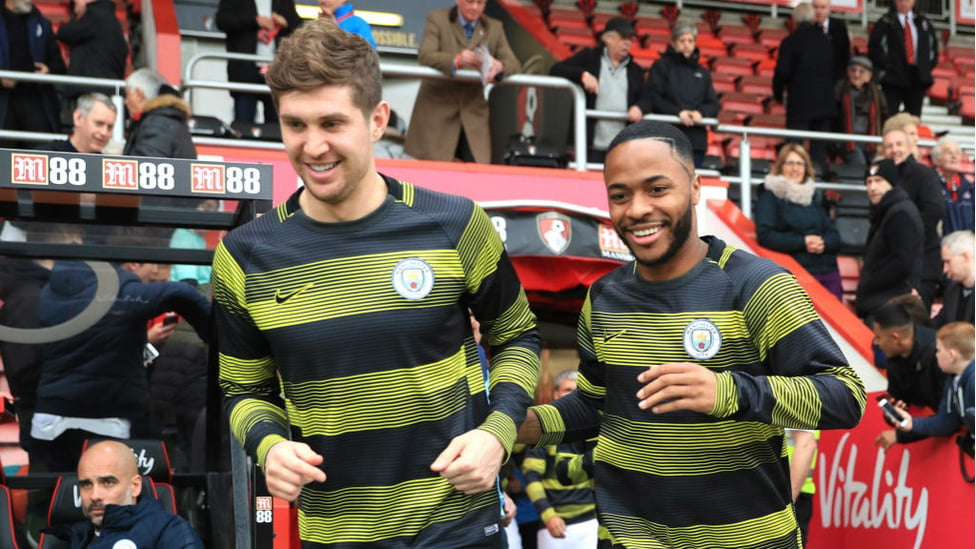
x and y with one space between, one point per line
954 353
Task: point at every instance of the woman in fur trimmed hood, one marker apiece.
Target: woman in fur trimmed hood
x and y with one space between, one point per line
790 218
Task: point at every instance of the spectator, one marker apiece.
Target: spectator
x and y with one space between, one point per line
105 360
801 444
110 486
611 68
861 107
805 70
893 251
913 375
259 31
296 328
27 44
909 124
159 115
192 239
704 382
923 187
345 16
836 31
97 43
93 118
957 264
566 507
680 86
957 189
451 119
954 355
790 218
904 49
21 281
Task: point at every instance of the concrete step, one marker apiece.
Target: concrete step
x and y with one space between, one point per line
941 119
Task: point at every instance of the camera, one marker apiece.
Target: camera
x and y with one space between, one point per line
891 412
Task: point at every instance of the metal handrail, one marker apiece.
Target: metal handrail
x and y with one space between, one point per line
745 147
398 70
580 113
118 131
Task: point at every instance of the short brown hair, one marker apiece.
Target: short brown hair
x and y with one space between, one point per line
319 53
958 336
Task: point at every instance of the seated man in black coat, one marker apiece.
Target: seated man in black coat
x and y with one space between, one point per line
612 82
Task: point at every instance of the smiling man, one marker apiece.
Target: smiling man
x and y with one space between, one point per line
110 488
93 118
694 357
357 284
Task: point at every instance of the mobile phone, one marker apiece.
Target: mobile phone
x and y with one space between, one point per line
891 412
149 353
171 318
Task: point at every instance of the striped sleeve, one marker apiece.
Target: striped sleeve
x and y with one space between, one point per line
534 469
247 372
576 416
508 325
810 385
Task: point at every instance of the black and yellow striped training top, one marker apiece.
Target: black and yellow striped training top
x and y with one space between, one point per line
554 495
687 479
363 328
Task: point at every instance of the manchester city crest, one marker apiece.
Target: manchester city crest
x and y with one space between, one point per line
702 339
413 278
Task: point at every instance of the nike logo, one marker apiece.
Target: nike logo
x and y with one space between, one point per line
281 298
608 336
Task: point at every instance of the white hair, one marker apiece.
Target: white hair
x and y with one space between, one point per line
146 80
959 242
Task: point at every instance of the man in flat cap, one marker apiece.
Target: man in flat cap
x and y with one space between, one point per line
611 80
861 109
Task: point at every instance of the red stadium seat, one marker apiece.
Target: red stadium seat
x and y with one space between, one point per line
771 38
939 92
859 45
946 69
749 103
772 107
566 18
749 50
967 108
731 34
733 65
768 120
725 83
761 85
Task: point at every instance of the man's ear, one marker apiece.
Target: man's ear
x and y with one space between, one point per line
136 486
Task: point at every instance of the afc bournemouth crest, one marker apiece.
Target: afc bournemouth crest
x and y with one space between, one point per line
702 339
555 230
413 278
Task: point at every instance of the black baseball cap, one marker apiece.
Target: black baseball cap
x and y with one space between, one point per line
621 26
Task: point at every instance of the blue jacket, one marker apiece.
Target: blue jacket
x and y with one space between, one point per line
951 413
44 49
99 372
146 525
350 22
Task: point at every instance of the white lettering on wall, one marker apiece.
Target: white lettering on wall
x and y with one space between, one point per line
849 503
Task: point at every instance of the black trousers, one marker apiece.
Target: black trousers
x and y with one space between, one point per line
911 96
